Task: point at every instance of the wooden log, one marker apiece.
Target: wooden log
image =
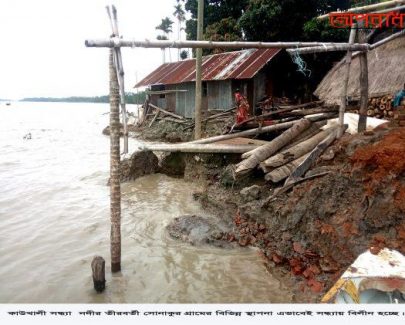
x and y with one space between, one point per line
370 112
265 151
265 129
299 150
315 125
283 172
98 273
154 119
312 157
197 148
314 129
166 112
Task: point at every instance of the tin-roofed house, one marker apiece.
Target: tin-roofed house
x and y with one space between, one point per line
256 72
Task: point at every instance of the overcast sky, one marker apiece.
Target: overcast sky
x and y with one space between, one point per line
43 52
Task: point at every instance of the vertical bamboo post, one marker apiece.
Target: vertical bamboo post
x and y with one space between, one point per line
120 73
198 64
343 101
363 83
115 188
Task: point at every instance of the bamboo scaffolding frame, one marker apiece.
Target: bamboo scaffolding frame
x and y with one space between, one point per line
119 42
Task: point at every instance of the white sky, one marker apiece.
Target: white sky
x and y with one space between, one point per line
42 45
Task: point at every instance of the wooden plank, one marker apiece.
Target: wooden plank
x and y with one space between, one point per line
166 112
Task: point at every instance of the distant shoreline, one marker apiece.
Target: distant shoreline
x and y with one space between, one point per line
131 98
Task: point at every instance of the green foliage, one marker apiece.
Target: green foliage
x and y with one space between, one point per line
165 25
183 54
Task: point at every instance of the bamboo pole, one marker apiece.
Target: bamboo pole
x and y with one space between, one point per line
366 8
387 39
120 73
115 187
198 71
329 48
363 84
343 100
198 148
119 42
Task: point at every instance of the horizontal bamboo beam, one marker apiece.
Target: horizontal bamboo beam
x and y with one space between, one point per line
198 148
367 8
119 42
330 48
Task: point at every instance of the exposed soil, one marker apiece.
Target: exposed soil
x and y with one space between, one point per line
319 228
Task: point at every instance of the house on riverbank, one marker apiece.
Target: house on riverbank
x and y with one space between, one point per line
256 72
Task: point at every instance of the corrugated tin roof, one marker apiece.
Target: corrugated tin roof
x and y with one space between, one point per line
231 65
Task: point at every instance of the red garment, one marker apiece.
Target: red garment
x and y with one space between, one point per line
242 114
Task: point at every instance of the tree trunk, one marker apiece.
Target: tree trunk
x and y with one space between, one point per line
258 155
315 128
283 172
115 188
299 150
363 85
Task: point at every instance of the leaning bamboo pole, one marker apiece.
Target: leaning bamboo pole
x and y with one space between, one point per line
343 100
367 8
119 42
115 187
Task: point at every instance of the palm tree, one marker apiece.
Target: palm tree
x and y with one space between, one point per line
166 27
180 14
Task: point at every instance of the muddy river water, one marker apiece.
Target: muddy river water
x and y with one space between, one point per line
54 217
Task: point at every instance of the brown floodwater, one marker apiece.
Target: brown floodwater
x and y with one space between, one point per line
54 217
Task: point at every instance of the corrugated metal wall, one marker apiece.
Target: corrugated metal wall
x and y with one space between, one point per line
220 94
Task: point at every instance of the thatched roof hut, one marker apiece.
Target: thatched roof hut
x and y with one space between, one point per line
386 73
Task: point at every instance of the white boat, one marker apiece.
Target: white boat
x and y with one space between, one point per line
372 278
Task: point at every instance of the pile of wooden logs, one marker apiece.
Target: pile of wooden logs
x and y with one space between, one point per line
380 107
290 154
